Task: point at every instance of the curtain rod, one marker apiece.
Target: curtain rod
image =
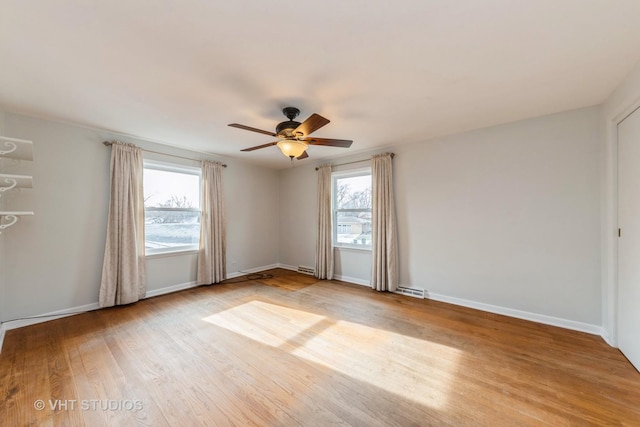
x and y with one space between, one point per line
109 143
357 161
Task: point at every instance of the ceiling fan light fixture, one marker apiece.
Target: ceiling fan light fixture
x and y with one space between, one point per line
294 136
292 148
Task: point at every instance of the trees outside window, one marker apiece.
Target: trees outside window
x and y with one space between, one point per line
352 209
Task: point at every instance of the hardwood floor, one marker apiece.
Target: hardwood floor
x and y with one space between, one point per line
291 350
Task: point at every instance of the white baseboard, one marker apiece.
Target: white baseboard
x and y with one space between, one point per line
252 270
339 277
606 336
170 289
525 315
45 317
288 267
2 332
353 280
52 315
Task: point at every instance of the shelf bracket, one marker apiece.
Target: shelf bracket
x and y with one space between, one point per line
12 219
11 147
12 184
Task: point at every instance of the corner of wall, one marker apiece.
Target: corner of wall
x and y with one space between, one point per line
609 222
2 280
279 215
2 269
608 338
2 332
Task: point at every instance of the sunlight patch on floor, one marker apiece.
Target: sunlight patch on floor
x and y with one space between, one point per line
266 323
415 369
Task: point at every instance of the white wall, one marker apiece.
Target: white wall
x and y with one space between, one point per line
55 258
298 215
622 102
507 216
252 216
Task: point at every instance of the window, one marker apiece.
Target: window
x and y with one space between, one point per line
171 207
352 209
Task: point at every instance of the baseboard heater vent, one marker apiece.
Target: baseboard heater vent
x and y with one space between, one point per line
411 292
306 270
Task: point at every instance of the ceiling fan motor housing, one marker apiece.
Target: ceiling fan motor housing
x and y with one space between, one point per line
285 129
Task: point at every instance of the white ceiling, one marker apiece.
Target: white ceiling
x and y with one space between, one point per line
383 72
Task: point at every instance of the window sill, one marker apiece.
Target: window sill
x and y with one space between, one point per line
178 252
352 249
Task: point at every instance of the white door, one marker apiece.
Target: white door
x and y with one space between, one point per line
629 240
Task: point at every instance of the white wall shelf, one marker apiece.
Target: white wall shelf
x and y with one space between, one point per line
7 219
10 182
17 149
14 148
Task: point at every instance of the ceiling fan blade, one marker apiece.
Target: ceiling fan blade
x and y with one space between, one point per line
312 124
304 155
344 143
266 132
257 147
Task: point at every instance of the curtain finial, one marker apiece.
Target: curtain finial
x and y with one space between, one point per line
375 156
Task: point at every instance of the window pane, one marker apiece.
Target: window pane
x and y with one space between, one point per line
354 228
353 192
164 189
352 210
167 229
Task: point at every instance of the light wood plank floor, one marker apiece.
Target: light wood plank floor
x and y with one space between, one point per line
292 351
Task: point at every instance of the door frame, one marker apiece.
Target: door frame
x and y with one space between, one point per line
609 228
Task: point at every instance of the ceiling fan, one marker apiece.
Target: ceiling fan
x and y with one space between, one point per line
294 136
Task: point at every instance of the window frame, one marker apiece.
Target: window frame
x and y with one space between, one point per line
175 168
335 176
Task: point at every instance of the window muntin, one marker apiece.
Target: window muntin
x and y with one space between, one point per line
352 209
171 207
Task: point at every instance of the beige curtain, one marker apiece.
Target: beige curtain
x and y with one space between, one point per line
123 269
384 271
324 250
212 258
